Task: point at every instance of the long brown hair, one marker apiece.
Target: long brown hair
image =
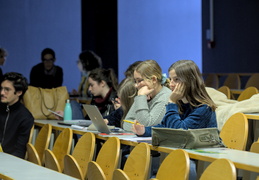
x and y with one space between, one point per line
189 74
126 92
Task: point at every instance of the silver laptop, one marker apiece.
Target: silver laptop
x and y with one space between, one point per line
97 119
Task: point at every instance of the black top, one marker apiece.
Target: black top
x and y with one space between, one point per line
115 117
15 126
39 78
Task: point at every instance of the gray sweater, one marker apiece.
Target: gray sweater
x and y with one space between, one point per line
148 113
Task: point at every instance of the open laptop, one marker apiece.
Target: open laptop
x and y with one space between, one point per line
97 119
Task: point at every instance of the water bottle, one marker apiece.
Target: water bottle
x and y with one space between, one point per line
68 111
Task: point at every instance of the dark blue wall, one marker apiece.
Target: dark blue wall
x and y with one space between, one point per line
236 30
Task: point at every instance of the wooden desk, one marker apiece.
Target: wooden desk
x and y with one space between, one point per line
242 159
253 116
21 169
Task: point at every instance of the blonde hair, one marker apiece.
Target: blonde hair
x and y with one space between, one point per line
189 74
148 69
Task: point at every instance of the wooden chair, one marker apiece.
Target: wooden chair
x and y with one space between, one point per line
31 134
225 90
220 169
106 161
255 147
212 80
4 177
77 164
35 153
177 163
253 81
233 81
55 159
247 93
137 164
234 132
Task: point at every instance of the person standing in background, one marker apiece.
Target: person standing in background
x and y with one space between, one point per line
46 74
3 54
87 62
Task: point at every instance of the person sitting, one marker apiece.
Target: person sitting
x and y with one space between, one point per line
88 61
126 92
46 74
150 100
103 86
15 120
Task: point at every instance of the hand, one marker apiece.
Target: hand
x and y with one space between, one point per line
137 128
58 117
145 91
177 93
116 103
106 121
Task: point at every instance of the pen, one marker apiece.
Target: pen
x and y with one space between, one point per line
130 122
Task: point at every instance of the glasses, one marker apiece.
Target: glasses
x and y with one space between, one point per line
48 60
6 89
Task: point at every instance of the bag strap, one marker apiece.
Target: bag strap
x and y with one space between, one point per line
43 102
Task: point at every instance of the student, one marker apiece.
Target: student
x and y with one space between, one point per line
126 93
3 54
103 86
150 100
15 120
46 74
88 61
189 105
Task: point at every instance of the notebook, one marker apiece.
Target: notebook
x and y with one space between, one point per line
84 123
97 120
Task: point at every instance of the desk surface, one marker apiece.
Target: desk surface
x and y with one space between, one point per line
17 168
242 159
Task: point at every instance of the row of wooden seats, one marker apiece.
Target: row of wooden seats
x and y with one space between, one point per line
233 81
246 94
80 165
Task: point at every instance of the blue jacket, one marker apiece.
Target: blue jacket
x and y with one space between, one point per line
192 118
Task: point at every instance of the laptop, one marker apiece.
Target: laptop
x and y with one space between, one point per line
97 119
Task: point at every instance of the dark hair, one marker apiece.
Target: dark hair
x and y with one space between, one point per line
3 52
19 82
106 75
130 70
47 51
90 60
